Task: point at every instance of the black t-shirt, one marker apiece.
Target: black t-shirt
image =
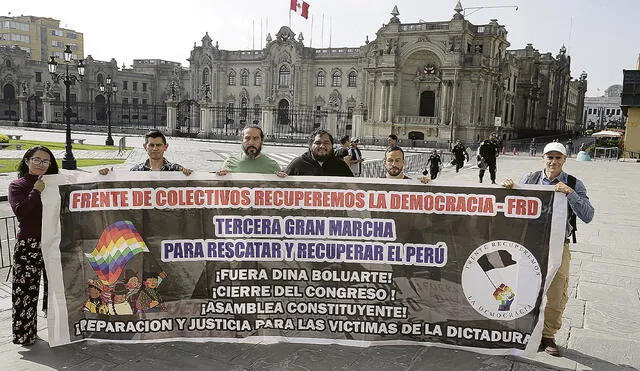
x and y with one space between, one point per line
341 152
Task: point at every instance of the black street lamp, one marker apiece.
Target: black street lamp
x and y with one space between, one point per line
110 89
68 162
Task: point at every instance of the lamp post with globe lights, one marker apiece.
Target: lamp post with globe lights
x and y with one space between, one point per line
68 161
110 89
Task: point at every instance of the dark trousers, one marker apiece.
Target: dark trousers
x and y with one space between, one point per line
433 171
492 171
459 163
28 265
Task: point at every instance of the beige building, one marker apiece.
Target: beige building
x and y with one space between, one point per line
40 37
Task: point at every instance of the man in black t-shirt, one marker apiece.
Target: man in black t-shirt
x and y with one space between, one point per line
342 153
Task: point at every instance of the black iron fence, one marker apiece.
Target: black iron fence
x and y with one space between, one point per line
289 125
414 163
9 110
297 124
141 116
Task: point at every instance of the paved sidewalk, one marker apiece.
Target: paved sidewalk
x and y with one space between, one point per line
601 325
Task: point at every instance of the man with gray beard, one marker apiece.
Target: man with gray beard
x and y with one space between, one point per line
251 160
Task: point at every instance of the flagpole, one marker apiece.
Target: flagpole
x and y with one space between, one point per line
322 33
253 34
311 38
289 18
494 285
261 38
330 30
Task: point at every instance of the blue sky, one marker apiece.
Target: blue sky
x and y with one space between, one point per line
598 34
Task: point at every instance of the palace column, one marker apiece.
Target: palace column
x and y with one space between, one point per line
390 102
382 102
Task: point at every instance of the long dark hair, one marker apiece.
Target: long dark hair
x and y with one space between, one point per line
23 168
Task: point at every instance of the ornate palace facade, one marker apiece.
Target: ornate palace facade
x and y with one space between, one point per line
429 80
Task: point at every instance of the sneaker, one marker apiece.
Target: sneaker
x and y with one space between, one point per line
548 345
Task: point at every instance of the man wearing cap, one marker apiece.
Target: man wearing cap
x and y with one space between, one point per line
251 160
554 157
355 163
320 159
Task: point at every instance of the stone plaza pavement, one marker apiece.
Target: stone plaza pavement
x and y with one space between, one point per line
601 328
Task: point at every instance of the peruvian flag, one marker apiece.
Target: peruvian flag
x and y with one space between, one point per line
300 7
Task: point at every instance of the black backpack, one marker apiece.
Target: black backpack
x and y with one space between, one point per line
534 178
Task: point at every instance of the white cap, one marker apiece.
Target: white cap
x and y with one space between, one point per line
555 147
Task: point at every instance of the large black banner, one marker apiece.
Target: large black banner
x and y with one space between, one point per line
159 256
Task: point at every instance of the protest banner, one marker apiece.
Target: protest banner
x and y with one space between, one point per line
161 256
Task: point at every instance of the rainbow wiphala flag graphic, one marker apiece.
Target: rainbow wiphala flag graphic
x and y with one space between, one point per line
118 243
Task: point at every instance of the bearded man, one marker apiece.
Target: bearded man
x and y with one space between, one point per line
319 160
251 160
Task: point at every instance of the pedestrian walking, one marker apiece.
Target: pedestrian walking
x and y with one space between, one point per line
460 154
356 157
487 153
28 264
532 147
554 158
434 164
569 148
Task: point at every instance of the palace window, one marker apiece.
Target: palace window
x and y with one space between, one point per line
336 79
257 81
353 76
232 78
284 76
205 76
244 78
320 79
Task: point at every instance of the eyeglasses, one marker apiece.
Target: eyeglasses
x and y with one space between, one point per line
396 160
39 161
554 157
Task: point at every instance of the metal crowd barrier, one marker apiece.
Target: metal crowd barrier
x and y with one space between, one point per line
414 163
8 230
